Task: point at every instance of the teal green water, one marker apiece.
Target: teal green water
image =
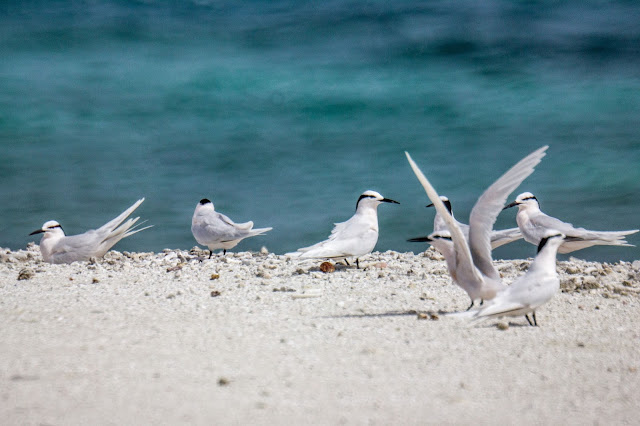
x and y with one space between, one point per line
283 113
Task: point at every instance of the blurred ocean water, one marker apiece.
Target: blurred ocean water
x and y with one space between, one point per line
284 112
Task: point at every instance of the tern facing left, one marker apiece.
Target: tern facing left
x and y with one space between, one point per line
56 247
354 238
534 224
216 231
531 290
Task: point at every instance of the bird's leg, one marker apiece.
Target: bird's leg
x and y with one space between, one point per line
224 252
471 305
535 321
210 253
528 320
357 263
346 261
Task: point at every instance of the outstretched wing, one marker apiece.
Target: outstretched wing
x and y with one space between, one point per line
464 262
490 204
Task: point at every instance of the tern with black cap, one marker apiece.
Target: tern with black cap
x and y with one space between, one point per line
354 238
216 231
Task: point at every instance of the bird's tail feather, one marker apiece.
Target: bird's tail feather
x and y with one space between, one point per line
135 229
114 223
259 231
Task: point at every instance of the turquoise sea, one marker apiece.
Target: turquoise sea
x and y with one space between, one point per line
283 112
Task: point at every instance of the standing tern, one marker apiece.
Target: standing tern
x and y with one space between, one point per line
56 247
534 224
531 290
498 237
474 269
217 231
354 238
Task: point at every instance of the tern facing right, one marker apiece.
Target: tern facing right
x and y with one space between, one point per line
355 237
534 224
474 269
56 247
531 290
216 231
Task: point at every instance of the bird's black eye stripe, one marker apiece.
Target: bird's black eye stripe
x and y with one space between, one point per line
543 242
364 196
447 204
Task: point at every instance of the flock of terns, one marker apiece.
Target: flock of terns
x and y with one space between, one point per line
466 248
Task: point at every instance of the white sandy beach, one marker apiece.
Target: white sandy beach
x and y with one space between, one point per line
255 338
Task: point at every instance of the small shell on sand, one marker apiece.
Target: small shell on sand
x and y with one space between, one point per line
502 325
25 274
327 267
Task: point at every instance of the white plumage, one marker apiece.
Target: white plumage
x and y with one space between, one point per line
56 247
354 238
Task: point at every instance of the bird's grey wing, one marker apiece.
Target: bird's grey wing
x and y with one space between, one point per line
246 226
542 222
240 227
505 236
222 226
77 247
464 262
490 204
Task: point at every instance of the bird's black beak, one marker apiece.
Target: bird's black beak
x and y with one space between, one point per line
429 205
388 200
39 231
420 240
508 206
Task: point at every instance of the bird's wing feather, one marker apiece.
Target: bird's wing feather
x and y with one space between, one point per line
490 204
505 236
464 261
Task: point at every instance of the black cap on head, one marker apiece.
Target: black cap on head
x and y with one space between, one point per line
204 201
